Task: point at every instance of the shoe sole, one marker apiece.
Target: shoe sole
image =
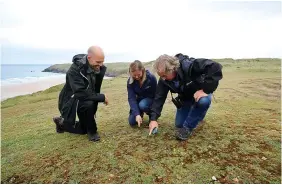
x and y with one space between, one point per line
94 140
180 138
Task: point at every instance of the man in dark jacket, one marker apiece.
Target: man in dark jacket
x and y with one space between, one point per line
194 80
81 94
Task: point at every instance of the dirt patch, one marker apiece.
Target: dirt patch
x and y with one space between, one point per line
236 91
265 147
17 179
51 161
275 172
269 88
269 110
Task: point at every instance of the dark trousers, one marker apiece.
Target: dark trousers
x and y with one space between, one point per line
85 112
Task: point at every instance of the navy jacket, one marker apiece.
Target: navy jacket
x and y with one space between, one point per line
136 94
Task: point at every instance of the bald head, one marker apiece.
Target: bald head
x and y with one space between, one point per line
95 50
95 57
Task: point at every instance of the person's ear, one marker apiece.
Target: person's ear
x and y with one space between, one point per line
88 57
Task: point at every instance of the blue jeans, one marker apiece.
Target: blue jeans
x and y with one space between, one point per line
144 106
191 114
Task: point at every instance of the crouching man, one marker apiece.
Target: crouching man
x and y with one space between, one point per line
81 94
194 80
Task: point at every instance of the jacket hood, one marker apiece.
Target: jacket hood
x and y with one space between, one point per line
185 64
80 59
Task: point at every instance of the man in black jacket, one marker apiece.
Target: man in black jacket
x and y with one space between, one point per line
194 80
81 94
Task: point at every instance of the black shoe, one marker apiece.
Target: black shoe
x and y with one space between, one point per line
59 121
93 136
183 133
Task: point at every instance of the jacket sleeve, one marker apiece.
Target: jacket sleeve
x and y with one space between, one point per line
211 74
132 100
159 100
79 87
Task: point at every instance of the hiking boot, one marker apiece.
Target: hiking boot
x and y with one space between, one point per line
183 133
93 136
59 121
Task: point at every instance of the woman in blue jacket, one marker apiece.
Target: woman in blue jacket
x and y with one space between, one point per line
141 88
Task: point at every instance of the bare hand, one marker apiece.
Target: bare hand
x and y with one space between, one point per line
152 125
199 94
106 102
139 120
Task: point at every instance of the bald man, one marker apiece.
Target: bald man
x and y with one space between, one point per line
81 94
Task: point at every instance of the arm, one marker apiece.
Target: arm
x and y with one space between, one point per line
154 84
79 88
132 100
160 97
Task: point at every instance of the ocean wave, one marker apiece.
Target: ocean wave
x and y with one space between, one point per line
11 81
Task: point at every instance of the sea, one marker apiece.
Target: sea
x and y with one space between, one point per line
25 73
23 79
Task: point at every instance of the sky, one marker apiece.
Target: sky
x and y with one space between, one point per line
52 31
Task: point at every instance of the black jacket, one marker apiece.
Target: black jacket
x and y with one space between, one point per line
81 85
193 75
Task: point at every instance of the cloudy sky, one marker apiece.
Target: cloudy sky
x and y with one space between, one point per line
52 31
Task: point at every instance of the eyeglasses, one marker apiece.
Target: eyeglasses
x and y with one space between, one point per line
164 75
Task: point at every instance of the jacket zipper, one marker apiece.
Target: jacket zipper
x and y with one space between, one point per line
78 100
86 79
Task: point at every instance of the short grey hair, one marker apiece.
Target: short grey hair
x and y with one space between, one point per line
166 63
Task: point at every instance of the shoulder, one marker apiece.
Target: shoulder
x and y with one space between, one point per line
73 68
150 75
129 81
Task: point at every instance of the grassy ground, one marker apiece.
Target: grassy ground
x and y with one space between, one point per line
239 142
